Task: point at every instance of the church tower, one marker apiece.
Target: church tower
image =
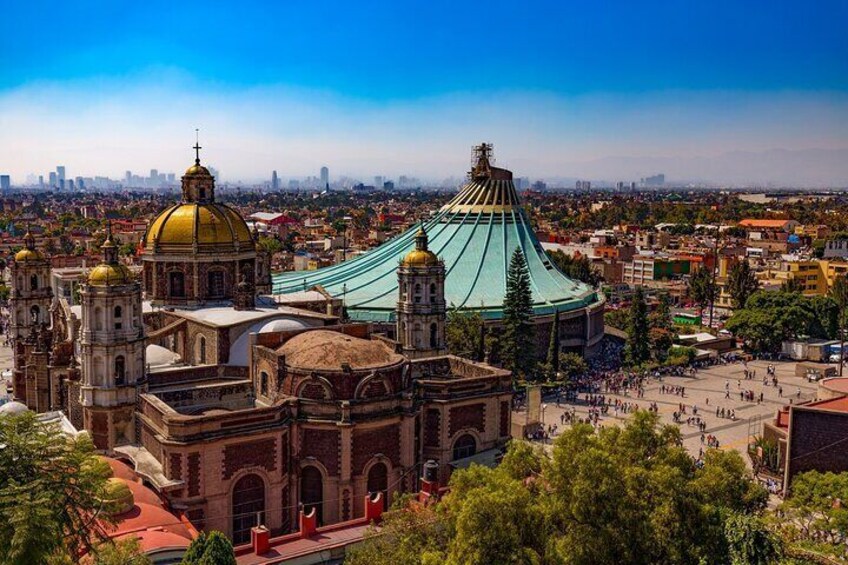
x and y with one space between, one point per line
31 294
111 350
421 301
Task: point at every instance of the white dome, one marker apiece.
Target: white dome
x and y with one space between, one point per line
281 325
158 356
238 350
13 408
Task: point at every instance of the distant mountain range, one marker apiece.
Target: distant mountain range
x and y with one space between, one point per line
813 168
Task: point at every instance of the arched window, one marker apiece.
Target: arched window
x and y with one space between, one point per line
432 292
35 314
263 383
176 284
248 507
465 446
378 481
201 350
98 318
33 282
215 284
434 330
312 491
119 314
120 370
417 288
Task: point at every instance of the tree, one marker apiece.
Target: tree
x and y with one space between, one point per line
769 318
576 267
518 350
464 333
839 293
552 360
616 495
270 245
121 552
213 548
791 285
702 288
750 542
741 283
815 511
52 494
637 348
571 364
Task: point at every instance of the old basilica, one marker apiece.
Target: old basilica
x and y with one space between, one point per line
238 407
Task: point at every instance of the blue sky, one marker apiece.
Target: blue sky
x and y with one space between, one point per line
391 87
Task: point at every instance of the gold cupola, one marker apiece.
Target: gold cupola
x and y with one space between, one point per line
111 271
421 256
29 252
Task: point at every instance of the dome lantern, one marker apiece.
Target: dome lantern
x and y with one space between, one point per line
198 183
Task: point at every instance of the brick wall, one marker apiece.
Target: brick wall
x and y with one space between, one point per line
432 423
322 445
367 443
504 420
194 474
471 416
261 453
817 442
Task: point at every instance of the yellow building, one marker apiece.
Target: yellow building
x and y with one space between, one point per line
809 275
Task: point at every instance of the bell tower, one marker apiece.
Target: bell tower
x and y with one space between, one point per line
31 294
112 352
421 309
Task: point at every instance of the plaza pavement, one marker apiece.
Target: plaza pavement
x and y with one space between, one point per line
708 383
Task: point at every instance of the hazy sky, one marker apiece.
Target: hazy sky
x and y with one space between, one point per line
406 88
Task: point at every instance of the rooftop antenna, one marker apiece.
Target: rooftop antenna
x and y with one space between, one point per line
197 146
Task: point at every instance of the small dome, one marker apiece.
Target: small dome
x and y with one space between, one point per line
329 350
198 170
25 255
420 258
106 275
13 408
118 497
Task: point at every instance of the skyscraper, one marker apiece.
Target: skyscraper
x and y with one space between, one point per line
60 172
53 182
128 178
5 183
275 182
325 176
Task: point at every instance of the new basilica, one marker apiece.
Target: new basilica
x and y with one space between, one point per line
239 407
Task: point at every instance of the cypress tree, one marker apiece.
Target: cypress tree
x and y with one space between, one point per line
553 347
638 349
518 308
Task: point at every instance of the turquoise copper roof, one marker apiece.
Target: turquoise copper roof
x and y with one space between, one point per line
475 234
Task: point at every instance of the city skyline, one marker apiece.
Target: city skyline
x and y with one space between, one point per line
607 92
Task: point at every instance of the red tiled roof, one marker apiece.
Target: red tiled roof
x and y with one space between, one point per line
837 404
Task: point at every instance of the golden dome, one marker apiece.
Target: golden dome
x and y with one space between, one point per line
421 258
28 255
198 169
105 275
210 226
